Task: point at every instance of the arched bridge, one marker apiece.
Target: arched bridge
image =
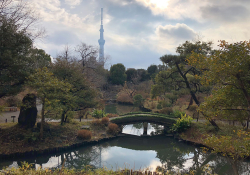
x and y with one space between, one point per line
165 120
144 117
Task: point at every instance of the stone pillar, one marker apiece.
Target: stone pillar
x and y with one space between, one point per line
28 111
145 128
166 128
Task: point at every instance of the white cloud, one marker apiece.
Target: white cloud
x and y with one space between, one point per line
73 3
167 38
175 9
179 31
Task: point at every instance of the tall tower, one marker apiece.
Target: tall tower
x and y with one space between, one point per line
101 42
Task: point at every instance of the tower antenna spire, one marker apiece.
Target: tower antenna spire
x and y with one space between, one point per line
101 15
101 41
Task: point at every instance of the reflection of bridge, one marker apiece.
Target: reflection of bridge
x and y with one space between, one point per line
134 142
167 122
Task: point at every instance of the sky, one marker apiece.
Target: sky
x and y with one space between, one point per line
139 32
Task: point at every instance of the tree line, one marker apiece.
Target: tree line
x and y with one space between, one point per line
222 74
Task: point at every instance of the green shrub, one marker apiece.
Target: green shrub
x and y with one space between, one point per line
182 124
84 134
31 137
98 113
165 104
178 114
138 100
159 106
167 110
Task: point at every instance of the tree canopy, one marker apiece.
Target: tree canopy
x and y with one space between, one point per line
83 96
18 57
180 75
48 89
228 71
117 74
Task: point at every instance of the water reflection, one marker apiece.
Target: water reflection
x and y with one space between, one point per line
139 129
137 152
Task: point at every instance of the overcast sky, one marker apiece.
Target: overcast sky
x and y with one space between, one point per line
138 32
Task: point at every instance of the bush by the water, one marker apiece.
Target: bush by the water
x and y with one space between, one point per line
178 113
105 121
26 168
182 124
113 128
98 113
112 115
167 110
165 104
138 100
159 106
84 134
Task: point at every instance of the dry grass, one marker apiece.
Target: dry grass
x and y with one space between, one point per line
96 122
14 138
167 110
84 134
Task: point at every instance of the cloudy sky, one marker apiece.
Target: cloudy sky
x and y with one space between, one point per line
138 32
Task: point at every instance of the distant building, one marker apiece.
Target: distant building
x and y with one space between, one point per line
101 42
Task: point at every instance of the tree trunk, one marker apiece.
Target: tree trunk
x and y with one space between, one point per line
62 117
247 122
42 121
194 97
65 119
190 102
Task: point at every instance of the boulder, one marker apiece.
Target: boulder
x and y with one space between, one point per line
28 111
85 127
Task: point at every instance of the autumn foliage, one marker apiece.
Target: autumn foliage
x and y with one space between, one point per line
113 128
84 134
105 121
112 115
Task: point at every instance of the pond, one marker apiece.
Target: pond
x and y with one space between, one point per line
136 152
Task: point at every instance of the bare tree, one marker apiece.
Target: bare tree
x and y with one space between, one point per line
86 52
67 54
22 15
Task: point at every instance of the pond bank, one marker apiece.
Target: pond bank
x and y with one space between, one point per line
17 141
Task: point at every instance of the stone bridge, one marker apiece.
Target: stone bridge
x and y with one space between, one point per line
167 122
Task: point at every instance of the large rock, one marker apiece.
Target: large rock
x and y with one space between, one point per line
28 111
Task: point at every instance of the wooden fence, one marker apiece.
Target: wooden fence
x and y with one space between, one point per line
131 172
12 109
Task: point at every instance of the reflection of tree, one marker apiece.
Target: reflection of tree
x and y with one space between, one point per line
78 159
158 129
171 158
138 125
177 157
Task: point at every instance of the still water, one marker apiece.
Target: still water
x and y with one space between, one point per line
137 152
